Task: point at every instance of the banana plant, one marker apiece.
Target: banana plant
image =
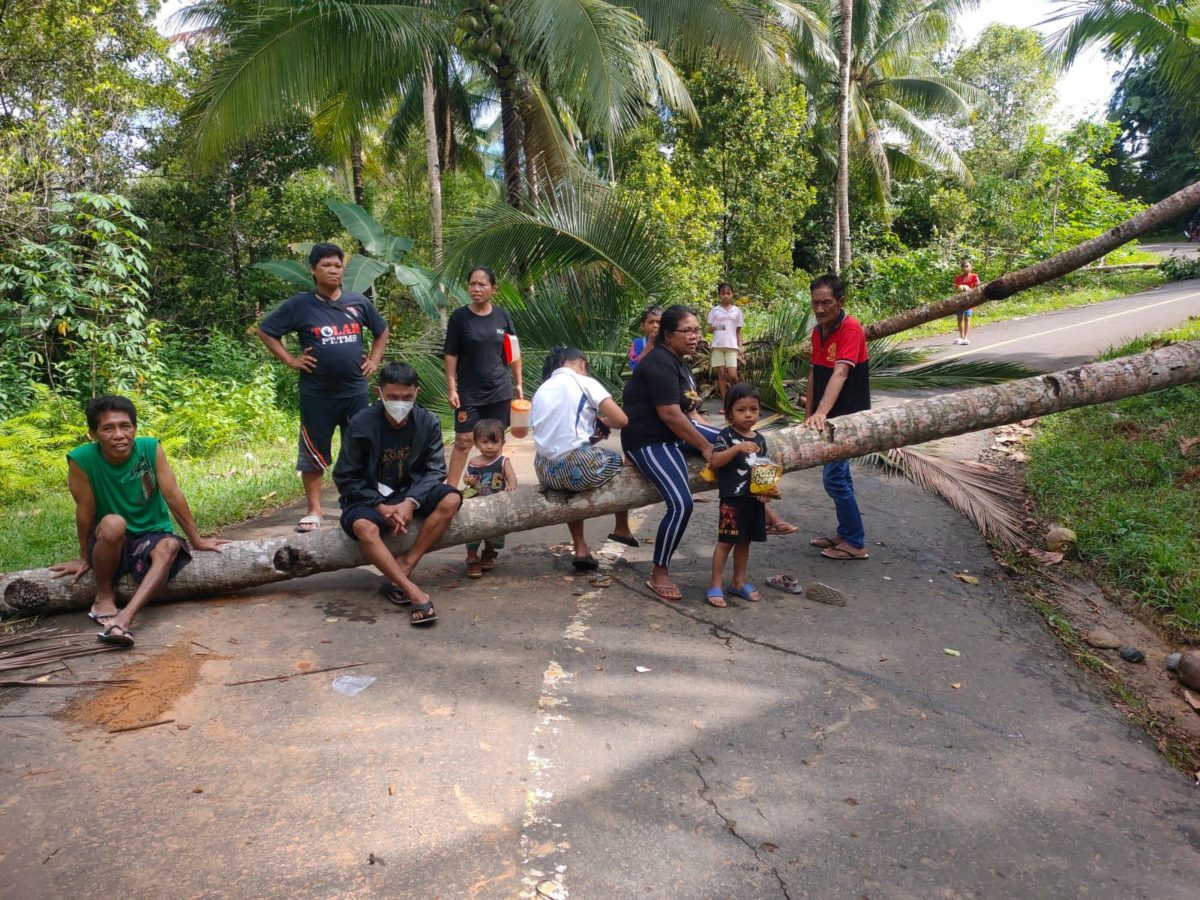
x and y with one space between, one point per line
383 254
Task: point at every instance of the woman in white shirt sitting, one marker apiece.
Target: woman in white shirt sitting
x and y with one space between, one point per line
571 412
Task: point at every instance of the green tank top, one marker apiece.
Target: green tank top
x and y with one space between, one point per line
129 490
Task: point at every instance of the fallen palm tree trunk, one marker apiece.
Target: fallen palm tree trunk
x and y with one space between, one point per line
1047 270
245 564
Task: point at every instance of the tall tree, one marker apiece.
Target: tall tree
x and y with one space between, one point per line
841 237
599 61
895 90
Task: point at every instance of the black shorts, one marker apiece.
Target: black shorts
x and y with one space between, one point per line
467 417
135 555
352 514
741 520
318 417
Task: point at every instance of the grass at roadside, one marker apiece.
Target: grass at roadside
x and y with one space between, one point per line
1080 289
233 485
1115 475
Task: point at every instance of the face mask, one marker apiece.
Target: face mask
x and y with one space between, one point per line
398 409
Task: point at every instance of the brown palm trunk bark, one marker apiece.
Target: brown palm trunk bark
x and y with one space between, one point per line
246 564
356 170
1047 270
511 130
842 219
433 169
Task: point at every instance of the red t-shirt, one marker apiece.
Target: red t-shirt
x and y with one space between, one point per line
971 281
845 343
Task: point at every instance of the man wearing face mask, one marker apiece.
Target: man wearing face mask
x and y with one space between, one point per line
392 467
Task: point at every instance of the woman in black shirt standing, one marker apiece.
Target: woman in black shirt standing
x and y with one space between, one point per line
479 378
664 425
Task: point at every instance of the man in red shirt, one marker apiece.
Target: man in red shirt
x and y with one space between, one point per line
839 382
965 282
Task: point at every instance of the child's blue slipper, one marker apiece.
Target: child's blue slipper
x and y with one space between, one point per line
745 592
716 597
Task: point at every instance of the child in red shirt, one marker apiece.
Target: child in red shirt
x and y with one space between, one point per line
965 282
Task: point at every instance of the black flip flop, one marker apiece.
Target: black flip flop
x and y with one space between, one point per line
99 618
428 616
622 539
395 594
585 564
125 639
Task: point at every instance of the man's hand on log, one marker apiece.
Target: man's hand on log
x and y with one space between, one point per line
213 544
76 567
816 422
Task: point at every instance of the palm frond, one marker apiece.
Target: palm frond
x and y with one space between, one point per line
572 228
588 49
986 496
943 374
278 60
736 30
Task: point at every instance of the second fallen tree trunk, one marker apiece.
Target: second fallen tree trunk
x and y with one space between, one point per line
246 564
1047 270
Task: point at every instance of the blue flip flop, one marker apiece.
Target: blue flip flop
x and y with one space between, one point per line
715 594
745 591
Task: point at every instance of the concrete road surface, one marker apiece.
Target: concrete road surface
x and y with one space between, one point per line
553 736
602 744
1071 337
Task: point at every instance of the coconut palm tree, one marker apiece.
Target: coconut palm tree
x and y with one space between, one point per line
600 62
1165 31
893 90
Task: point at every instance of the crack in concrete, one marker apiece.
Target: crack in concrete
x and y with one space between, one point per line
704 793
887 684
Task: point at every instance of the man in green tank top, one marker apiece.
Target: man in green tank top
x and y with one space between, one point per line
125 493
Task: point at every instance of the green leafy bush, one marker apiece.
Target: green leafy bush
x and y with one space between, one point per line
193 417
1179 268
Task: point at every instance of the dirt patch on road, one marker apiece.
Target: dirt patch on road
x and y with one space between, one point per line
157 683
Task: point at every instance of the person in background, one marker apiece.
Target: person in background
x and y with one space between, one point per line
391 467
333 363
125 494
491 472
567 409
481 368
725 322
966 280
839 383
651 316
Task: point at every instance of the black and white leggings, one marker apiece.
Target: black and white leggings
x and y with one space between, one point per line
665 466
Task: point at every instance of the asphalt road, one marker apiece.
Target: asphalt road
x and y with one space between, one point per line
1071 337
599 743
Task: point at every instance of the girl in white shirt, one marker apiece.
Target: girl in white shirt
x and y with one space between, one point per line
725 322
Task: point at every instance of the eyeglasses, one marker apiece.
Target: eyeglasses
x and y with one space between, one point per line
821 304
687 330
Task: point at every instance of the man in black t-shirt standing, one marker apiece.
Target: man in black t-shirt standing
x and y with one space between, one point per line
333 365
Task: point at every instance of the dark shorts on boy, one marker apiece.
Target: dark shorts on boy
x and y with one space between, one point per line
135 555
741 520
468 417
318 417
352 514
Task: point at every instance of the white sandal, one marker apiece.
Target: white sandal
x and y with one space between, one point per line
314 521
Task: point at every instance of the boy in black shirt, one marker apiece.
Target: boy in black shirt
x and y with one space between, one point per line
743 515
392 465
332 364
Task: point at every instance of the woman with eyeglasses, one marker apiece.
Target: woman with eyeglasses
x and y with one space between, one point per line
665 425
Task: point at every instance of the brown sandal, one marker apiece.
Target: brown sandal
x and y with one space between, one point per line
487 561
474 568
824 543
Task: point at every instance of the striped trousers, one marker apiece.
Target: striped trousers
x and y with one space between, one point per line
665 466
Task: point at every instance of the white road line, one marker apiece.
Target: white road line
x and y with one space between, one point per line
1028 337
543 842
